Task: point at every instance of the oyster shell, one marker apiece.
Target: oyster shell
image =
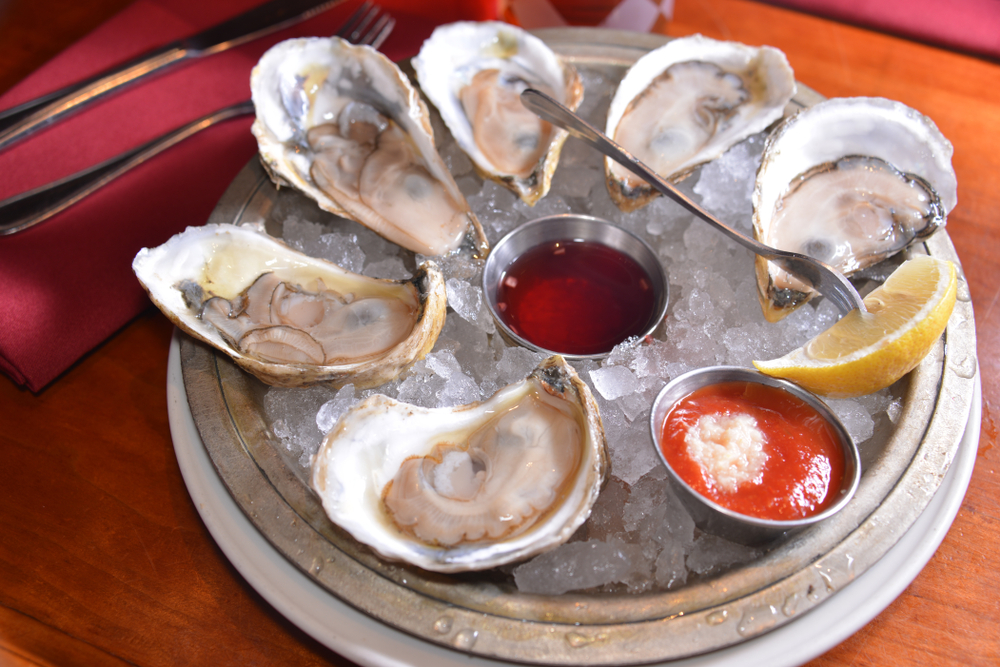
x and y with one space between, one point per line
688 102
470 487
343 124
474 72
288 318
849 181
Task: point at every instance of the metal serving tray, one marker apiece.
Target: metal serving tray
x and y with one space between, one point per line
483 614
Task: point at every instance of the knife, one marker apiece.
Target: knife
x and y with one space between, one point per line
20 121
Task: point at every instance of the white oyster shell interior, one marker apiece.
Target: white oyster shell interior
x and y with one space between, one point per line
474 73
471 487
288 318
688 102
343 124
849 181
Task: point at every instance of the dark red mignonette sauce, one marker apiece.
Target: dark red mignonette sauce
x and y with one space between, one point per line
805 465
575 297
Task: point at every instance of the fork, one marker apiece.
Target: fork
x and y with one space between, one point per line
369 25
826 280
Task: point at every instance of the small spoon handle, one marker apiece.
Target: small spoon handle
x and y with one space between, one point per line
826 280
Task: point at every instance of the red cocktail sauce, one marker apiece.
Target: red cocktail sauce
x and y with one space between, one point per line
575 297
805 465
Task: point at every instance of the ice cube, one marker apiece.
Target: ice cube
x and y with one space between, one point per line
712 554
725 184
467 301
614 381
575 566
855 418
342 250
333 409
517 363
292 414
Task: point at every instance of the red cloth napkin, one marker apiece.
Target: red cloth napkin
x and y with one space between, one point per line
67 283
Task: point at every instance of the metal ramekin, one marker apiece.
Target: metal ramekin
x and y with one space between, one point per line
718 520
577 227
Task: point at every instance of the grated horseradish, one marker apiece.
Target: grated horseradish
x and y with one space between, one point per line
729 449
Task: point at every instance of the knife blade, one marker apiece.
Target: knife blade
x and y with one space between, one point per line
18 122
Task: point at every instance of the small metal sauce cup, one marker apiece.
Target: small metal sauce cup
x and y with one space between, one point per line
723 522
579 228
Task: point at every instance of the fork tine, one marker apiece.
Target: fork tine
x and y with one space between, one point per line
381 31
355 20
368 25
366 20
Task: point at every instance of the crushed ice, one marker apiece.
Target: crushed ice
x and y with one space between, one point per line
638 537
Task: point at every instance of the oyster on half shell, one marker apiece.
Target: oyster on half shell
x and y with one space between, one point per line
470 487
474 73
343 124
687 103
849 181
288 318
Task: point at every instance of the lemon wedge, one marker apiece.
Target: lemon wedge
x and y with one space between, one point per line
865 352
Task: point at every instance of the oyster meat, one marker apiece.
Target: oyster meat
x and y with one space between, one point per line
474 73
688 102
470 487
343 124
288 318
849 181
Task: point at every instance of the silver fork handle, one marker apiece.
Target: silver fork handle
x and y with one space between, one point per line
824 279
28 209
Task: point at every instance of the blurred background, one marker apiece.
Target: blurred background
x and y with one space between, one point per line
970 26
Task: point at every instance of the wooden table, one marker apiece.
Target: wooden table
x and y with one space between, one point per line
105 561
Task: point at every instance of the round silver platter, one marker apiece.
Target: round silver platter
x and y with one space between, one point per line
483 614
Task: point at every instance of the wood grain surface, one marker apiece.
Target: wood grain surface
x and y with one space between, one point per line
104 559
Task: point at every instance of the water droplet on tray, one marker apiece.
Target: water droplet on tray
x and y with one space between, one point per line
791 606
963 293
443 625
717 617
465 639
834 573
756 620
579 640
828 580
966 368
